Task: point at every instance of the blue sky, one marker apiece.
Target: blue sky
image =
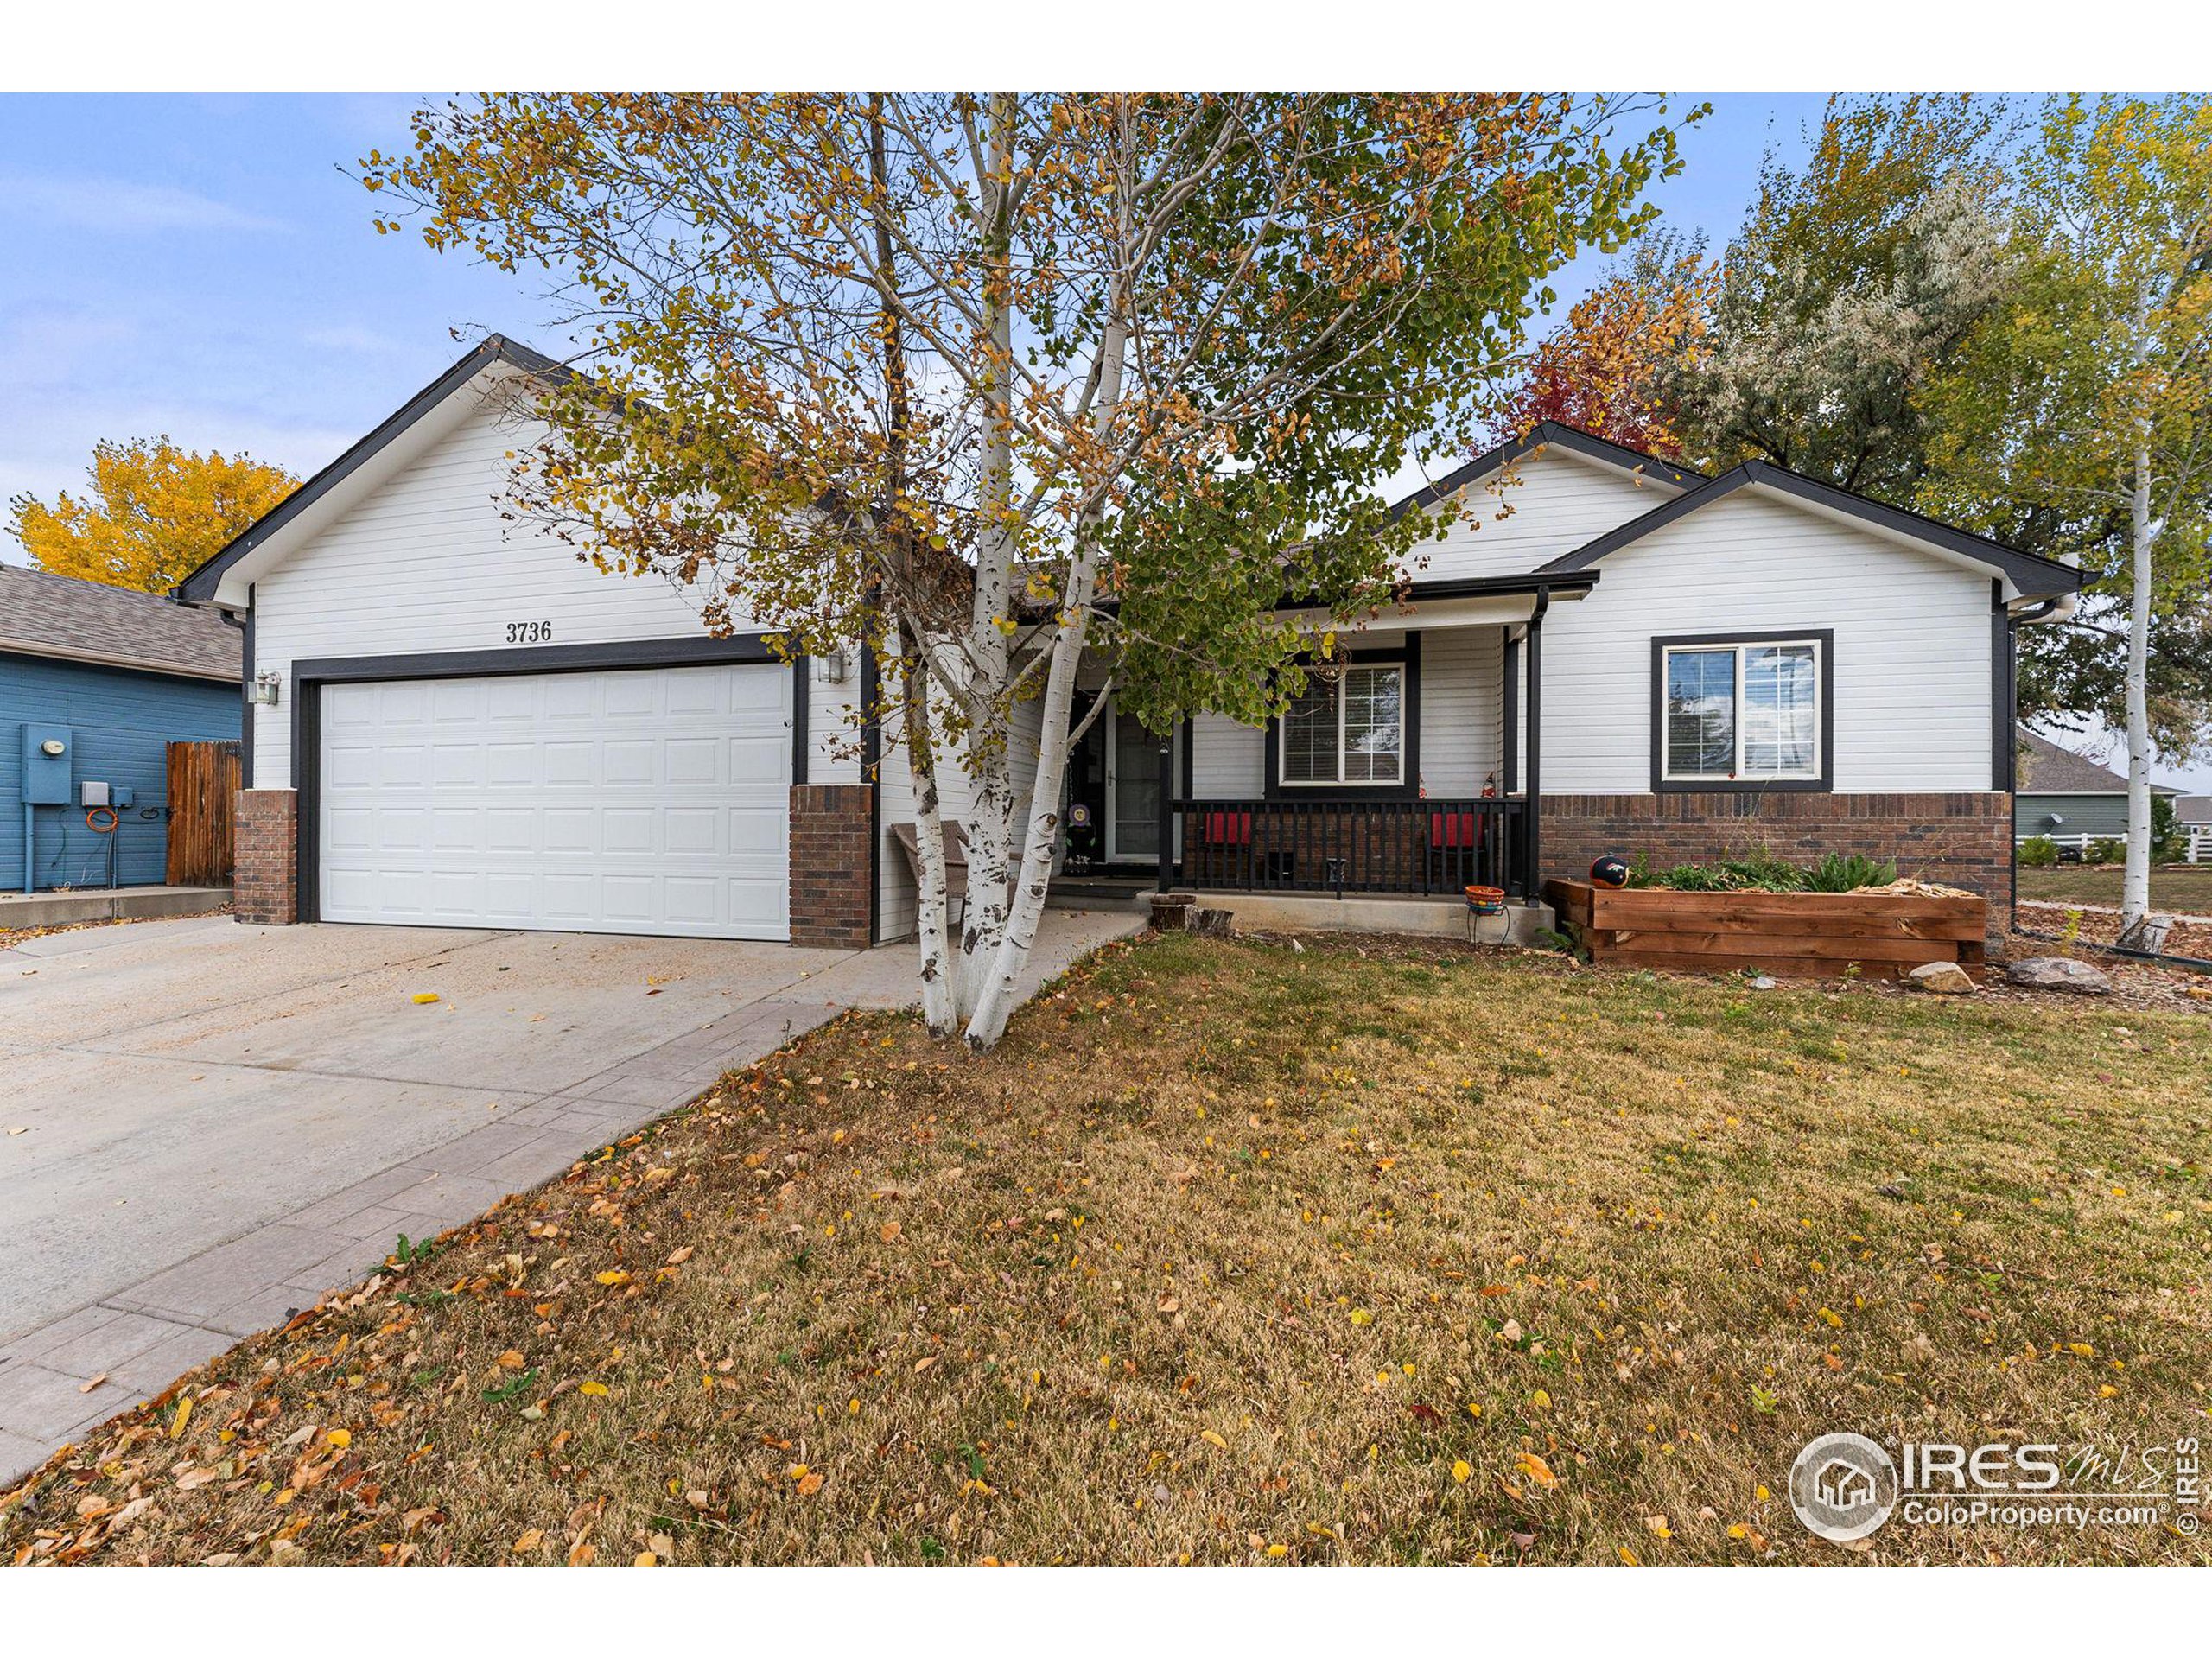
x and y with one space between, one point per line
199 266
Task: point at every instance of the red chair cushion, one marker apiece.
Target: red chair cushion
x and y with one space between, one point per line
1454 830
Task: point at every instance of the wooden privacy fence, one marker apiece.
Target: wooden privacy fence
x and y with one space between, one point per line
203 777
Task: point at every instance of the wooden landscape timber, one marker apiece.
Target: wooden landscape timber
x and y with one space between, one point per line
1792 935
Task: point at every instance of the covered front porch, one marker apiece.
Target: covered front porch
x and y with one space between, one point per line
1408 768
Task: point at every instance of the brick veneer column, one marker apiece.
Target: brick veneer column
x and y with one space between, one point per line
830 896
1960 840
265 885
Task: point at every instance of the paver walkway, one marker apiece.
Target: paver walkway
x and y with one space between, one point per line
208 1125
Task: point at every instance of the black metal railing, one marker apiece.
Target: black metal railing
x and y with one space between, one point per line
1401 847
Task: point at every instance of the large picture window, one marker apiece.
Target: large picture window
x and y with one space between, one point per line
1347 726
1741 711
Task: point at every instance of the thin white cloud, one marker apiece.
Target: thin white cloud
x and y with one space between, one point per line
352 338
120 207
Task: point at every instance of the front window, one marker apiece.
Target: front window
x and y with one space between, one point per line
1347 726
1747 712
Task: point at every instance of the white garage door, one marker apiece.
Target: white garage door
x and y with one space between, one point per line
629 801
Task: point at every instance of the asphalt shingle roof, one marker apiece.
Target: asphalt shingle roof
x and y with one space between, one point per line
2046 769
44 615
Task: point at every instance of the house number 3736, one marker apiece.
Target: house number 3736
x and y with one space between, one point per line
528 633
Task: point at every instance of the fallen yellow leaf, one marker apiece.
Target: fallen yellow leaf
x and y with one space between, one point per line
591 1388
341 1438
1537 1470
1628 1557
614 1276
1462 1470
184 1416
425 996
1213 1438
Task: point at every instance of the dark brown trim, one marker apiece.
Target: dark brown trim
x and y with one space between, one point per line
1407 788
1823 638
1540 436
799 750
2034 576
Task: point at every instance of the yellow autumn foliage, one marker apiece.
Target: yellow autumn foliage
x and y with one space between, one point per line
153 512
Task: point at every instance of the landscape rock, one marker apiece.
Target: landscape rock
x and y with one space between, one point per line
2059 974
1944 978
1763 982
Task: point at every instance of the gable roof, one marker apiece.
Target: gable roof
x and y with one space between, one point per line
2046 769
199 586
44 615
1539 437
2034 577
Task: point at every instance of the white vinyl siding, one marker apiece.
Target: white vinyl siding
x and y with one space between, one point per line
1546 504
1228 761
425 562
1462 711
1911 676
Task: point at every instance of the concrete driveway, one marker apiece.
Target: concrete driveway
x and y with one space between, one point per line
204 1125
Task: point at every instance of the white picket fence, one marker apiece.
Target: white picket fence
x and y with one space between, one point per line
2199 844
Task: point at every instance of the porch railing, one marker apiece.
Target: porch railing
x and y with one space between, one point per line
1398 847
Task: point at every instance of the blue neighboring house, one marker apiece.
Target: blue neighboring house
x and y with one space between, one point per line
122 674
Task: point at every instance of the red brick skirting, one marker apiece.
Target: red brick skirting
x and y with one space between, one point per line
265 888
830 883
1960 840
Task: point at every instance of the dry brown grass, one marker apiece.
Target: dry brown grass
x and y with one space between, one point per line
1232 1253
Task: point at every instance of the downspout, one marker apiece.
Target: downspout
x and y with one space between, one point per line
1532 835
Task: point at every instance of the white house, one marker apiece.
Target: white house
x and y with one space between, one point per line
459 721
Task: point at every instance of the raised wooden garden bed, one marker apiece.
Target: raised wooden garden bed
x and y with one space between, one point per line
1808 935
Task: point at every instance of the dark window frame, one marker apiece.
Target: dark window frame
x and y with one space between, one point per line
1407 788
1823 641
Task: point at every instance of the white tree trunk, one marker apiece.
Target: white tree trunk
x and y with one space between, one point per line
999 999
940 1007
989 655
2135 885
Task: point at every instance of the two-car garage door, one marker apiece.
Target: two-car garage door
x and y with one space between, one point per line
616 801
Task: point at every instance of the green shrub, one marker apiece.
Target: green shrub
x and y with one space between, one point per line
1696 878
2168 845
1848 872
2039 853
2106 849
1761 870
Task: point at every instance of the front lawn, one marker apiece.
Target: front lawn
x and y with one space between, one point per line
1236 1252
2182 888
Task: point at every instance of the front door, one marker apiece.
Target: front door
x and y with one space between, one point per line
1133 786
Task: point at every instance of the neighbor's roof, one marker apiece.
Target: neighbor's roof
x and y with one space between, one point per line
44 615
2046 769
